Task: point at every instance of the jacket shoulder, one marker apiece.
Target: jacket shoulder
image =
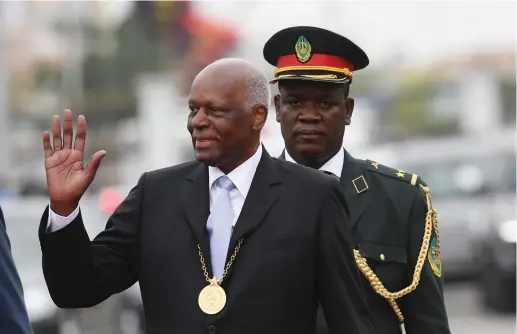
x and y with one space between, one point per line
305 179
299 172
181 168
393 173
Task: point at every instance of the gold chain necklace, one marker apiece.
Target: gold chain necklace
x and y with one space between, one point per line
212 298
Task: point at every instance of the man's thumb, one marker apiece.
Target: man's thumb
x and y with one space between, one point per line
93 164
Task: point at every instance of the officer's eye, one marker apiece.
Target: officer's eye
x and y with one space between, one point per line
325 105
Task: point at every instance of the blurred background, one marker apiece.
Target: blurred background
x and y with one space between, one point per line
439 100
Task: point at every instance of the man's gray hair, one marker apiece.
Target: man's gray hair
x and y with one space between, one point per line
256 89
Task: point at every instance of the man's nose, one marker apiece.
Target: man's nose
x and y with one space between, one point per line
310 114
200 120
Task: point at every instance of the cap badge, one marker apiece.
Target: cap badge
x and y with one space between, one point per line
303 49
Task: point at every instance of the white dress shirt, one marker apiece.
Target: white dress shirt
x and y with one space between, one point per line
241 177
334 165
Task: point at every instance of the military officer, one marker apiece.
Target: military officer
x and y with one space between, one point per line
393 223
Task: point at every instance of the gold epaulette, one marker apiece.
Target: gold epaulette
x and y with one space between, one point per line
398 174
431 222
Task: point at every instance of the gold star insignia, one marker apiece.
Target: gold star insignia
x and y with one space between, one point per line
375 164
400 173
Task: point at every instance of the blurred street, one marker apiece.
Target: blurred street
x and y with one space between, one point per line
467 316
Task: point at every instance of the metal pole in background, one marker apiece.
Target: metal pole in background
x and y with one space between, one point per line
5 135
70 24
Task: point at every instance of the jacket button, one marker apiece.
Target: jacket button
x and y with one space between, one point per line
212 329
383 257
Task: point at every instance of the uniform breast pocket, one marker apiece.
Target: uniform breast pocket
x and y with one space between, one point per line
388 262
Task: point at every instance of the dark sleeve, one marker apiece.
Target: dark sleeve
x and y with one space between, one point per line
423 309
82 273
338 278
13 314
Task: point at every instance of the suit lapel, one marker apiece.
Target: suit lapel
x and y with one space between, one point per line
355 187
261 198
197 208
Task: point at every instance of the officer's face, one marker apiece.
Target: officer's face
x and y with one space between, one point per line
313 116
223 129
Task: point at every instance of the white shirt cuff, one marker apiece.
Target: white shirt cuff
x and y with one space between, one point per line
57 222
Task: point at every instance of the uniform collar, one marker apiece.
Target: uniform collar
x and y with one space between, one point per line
334 165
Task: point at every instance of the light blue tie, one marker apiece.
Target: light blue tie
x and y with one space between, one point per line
219 226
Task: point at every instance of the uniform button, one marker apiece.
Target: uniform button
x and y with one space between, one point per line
212 329
383 257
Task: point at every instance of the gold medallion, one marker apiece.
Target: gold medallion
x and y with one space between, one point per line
212 298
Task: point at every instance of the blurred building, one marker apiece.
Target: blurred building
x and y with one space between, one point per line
474 93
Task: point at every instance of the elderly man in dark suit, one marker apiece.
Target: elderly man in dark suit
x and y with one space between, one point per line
231 243
13 314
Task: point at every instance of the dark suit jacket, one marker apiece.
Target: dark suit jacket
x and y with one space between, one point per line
13 315
297 249
387 215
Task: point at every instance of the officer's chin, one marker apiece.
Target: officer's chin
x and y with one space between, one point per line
309 150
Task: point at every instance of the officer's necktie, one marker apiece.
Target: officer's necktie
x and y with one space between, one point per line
219 226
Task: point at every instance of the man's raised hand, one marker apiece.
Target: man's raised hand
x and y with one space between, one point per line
67 177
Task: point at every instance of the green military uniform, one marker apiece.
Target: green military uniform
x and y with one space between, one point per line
395 228
392 219
397 247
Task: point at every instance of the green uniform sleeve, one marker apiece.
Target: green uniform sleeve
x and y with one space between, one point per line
424 308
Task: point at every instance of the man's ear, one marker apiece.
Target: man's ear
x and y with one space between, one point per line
349 110
277 107
259 117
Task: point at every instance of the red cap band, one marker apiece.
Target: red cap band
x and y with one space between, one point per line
317 59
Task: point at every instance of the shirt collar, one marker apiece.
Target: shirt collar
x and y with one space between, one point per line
240 176
334 165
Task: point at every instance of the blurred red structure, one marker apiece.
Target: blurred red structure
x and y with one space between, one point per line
195 39
109 200
210 41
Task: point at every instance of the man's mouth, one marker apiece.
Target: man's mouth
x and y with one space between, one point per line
203 143
309 133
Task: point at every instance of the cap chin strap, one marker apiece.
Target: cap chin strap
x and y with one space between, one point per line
344 71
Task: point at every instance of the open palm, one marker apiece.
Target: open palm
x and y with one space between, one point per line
67 177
